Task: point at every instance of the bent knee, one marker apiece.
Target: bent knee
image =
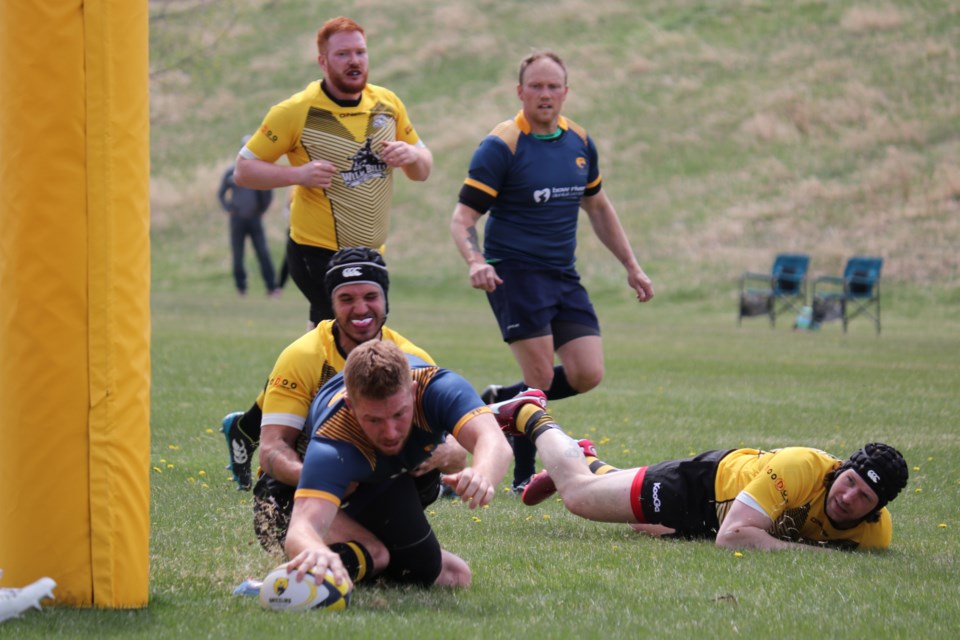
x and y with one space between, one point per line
579 503
539 378
380 556
455 572
586 380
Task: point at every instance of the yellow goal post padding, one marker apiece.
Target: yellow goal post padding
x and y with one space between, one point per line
74 308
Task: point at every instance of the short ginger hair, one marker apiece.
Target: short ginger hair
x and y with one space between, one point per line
332 26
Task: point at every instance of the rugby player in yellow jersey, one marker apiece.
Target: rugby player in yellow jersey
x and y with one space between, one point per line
342 138
743 498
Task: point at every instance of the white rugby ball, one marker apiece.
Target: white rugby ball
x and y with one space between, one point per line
280 591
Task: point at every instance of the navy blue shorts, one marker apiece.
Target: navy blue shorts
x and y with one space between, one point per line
537 301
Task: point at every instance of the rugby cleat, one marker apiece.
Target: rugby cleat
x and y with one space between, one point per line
489 395
517 488
506 412
587 447
241 449
539 488
249 588
13 602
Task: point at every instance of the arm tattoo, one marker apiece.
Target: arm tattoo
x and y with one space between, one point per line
473 243
573 450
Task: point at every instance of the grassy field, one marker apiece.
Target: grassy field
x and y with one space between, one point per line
728 131
681 378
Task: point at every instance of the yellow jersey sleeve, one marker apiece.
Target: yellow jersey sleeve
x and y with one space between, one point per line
788 478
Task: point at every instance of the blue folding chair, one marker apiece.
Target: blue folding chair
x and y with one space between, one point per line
771 294
856 293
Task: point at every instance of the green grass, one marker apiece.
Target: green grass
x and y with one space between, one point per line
681 377
728 131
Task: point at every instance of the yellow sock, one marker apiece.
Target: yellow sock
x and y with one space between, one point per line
599 467
526 418
532 421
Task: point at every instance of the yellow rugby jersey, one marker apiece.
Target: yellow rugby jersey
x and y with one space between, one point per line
788 484
355 210
304 366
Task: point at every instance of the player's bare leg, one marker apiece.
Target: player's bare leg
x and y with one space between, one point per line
605 498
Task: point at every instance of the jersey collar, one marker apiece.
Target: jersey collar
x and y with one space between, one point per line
524 125
337 101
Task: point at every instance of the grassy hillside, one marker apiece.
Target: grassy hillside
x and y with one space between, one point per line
728 130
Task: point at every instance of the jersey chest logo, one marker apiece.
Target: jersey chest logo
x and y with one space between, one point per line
366 165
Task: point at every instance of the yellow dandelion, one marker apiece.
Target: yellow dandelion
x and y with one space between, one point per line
916 468
209 430
918 490
737 554
191 480
528 518
206 486
546 516
201 472
169 466
942 525
163 461
476 519
929 458
506 489
486 506
173 447
158 469
432 513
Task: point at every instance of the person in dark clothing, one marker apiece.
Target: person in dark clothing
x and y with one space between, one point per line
246 208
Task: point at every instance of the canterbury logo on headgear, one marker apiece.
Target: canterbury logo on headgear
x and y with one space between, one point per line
883 469
357 273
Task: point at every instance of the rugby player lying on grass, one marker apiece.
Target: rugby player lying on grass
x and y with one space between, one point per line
743 498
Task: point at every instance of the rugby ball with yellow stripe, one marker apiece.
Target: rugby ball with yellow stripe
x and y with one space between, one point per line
281 591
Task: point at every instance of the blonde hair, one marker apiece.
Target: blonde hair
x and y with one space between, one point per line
375 370
538 55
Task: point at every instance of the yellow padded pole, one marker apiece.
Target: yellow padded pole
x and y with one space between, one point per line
74 307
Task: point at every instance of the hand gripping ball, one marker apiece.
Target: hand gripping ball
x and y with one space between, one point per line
280 591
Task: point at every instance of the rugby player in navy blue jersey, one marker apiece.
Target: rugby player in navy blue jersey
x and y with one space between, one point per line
533 174
357 510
